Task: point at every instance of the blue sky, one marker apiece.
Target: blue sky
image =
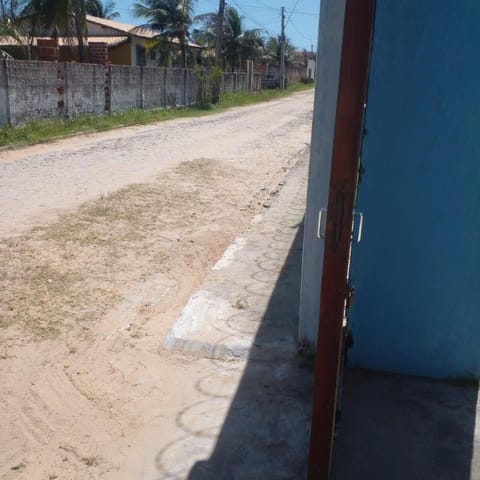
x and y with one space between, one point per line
301 16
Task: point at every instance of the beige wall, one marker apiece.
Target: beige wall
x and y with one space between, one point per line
121 54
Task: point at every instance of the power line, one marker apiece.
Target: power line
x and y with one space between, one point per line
265 5
251 19
307 13
291 13
261 5
300 33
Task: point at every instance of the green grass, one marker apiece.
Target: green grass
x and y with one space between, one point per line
40 131
240 99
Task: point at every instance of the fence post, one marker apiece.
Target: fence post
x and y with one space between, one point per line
185 74
108 88
4 96
141 87
66 87
250 75
164 93
61 90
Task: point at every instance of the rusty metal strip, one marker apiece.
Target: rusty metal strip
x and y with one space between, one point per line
354 65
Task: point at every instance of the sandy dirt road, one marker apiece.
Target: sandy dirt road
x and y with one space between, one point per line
103 237
38 182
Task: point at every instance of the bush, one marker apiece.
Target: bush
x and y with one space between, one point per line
210 80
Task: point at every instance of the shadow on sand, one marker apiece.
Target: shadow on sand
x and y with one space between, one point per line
265 434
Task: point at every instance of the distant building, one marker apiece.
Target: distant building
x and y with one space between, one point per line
123 44
311 66
130 45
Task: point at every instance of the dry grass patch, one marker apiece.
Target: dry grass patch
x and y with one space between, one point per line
67 275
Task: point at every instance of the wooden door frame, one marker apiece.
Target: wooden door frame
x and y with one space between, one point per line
354 65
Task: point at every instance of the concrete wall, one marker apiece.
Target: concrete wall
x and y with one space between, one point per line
126 91
85 89
34 90
31 89
417 269
191 91
232 82
293 73
326 90
175 87
149 87
154 87
238 82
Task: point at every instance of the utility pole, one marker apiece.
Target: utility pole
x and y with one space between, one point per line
218 50
219 42
282 52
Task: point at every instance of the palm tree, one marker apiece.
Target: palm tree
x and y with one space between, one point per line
58 17
238 44
171 18
273 51
100 9
251 45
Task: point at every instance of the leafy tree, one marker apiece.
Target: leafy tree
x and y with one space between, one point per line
100 9
7 29
9 12
171 18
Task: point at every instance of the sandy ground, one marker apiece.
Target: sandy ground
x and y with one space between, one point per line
103 239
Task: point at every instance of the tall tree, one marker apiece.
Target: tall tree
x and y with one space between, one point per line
56 18
100 9
273 51
251 45
171 18
9 12
7 29
238 44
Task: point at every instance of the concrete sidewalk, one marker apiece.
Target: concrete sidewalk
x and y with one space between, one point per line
244 319
258 389
250 418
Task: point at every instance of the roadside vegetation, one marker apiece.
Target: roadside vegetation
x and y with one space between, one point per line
40 131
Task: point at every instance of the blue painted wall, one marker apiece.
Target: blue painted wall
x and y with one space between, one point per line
417 270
